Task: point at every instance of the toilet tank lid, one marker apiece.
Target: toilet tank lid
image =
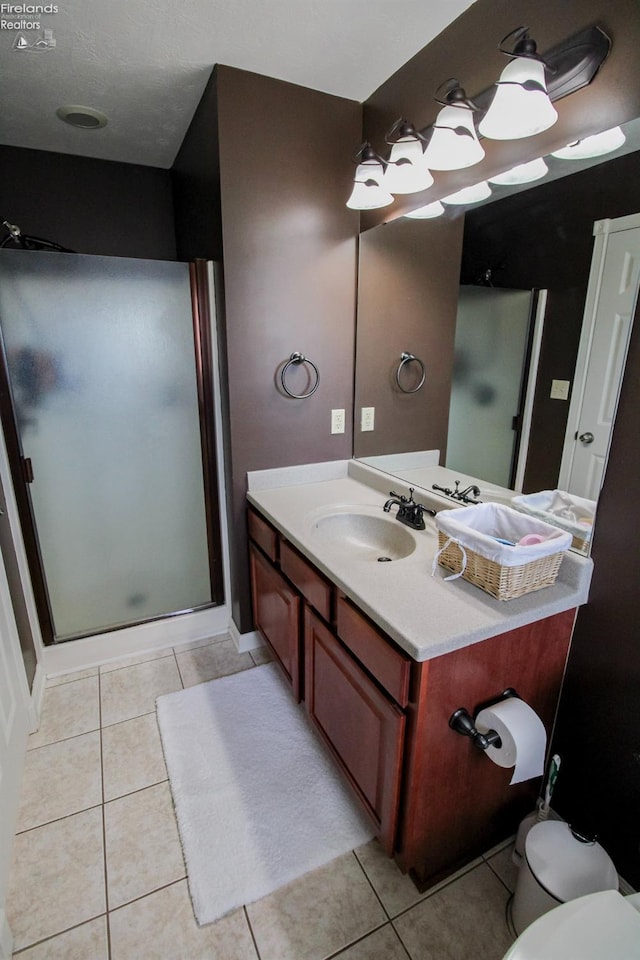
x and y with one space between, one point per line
590 928
565 867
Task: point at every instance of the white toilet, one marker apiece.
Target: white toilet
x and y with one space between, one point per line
599 926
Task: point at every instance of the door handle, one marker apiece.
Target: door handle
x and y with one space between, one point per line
586 437
27 469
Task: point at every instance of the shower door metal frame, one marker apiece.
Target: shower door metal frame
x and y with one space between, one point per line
21 470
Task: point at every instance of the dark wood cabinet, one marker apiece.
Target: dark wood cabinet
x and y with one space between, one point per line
363 727
436 801
276 613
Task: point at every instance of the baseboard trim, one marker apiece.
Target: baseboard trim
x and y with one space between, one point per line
37 696
6 937
245 641
130 641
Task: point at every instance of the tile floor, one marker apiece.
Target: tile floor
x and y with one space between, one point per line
98 872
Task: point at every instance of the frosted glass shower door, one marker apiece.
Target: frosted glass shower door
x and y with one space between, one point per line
101 364
492 329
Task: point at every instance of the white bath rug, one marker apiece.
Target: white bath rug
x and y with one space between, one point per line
258 799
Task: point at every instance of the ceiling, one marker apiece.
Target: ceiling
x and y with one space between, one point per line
145 63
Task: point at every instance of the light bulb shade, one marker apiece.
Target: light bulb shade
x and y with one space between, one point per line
367 193
473 194
523 173
521 106
454 143
428 212
595 146
407 171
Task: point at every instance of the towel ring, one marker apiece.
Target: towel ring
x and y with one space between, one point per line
299 358
408 358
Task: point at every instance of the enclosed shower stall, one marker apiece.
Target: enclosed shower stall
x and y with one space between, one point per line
108 422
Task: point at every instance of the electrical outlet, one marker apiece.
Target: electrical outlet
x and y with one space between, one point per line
337 421
367 418
560 389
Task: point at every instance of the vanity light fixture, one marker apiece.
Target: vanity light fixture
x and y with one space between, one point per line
595 146
407 171
521 106
473 194
368 192
454 143
428 212
522 173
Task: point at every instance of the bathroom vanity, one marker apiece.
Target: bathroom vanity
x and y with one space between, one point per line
382 652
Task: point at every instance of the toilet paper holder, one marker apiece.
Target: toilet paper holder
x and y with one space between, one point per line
462 722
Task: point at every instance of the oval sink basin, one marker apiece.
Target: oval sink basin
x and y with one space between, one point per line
365 537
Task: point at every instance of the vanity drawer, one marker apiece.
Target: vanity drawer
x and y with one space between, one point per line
385 662
311 584
263 534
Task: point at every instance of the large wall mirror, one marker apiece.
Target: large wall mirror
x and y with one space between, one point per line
536 237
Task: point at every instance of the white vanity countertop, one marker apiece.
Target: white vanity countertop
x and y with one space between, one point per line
424 614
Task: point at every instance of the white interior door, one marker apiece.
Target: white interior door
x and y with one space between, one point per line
611 301
14 697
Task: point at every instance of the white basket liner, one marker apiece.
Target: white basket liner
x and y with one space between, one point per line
476 527
559 508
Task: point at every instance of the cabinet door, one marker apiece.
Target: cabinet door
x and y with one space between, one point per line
276 614
363 728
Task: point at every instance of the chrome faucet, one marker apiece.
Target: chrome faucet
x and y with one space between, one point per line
409 512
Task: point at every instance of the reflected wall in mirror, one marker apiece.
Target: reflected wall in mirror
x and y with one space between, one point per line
410 272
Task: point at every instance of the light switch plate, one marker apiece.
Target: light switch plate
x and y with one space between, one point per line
367 418
560 389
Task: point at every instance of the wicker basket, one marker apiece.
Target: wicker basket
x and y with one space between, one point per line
503 583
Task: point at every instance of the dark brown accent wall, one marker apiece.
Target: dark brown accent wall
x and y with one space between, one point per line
543 238
289 260
468 50
90 206
196 183
598 735
407 297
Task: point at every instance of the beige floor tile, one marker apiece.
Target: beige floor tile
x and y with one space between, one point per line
261 655
203 642
68 710
396 890
502 864
138 658
132 756
162 927
464 919
383 944
313 917
87 942
132 691
70 677
211 661
57 878
142 844
59 779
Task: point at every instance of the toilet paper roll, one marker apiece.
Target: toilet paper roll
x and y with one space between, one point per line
523 736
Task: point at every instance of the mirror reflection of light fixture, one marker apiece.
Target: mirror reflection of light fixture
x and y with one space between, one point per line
522 173
427 212
454 143
368 192
594 146
472 194
521 106
407 170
